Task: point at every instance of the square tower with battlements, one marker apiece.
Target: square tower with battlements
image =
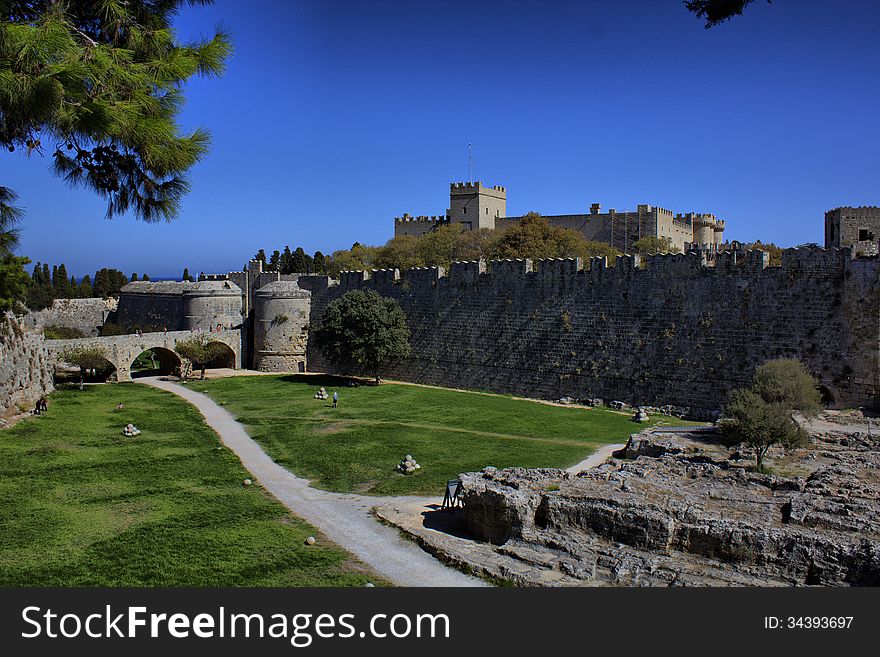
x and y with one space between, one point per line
857 227
476 205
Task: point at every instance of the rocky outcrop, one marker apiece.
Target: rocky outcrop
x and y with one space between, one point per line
25 366
675 514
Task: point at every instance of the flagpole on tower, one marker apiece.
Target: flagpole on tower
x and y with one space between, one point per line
470 176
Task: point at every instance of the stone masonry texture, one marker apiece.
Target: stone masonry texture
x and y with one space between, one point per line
25 366
668 330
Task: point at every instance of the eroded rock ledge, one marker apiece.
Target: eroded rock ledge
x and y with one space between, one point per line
677 510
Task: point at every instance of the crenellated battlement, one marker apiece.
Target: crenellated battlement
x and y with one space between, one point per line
476 188
566 272
681 329
433 219
466 272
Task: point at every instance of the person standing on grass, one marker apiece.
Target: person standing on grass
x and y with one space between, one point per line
335 398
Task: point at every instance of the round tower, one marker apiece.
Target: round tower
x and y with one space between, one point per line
704 229
281 316
719 232
207 304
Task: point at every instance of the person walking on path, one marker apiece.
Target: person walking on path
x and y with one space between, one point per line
335 398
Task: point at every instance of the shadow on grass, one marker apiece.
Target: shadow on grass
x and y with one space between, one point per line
327 380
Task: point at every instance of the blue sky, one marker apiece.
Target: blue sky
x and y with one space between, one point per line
335 117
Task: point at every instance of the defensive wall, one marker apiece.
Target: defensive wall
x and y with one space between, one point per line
86 315
667 330
25 366
179 305
122 350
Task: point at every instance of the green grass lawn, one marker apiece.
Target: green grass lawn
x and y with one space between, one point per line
357 446
80 504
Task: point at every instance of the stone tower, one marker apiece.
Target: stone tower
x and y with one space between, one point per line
475 205
281 318
857 227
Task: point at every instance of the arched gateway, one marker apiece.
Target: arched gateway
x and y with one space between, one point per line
122 350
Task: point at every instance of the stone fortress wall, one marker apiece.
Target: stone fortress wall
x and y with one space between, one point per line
25 366
679 330
86 315
667 331
179 305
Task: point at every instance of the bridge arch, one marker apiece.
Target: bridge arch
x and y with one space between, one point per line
70 373
167 362
122 350
225 354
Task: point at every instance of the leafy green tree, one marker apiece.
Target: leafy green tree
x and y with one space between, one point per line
651 245
133 278
85 287
475 244
101 83
751 420
108 282
39 290
301 262
14 283
145 277
534 237
364 328
401 252
60 283
10 218
357 258
440 247
274 260
200 351
285 261
87 358
787 382
320 262
186 276
717 11
762 416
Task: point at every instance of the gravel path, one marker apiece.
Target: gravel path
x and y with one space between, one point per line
346 519
816 424
596 458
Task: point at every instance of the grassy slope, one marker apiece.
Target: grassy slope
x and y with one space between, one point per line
80 504
357 446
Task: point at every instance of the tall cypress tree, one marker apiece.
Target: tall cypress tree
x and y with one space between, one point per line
275 260
301 263
62 283
85 287
286 261
320 264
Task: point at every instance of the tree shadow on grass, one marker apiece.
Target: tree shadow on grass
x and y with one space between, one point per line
327 380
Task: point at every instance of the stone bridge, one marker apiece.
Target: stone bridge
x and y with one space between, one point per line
122 350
